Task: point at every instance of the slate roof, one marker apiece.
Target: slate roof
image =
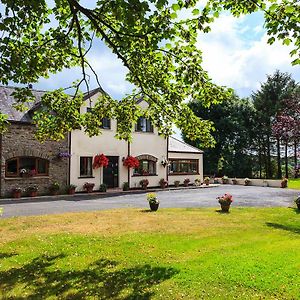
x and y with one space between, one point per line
176 145
7 100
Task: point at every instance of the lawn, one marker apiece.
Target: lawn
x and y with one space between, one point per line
294 184
250 253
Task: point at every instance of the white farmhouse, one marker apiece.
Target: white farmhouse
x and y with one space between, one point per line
159 157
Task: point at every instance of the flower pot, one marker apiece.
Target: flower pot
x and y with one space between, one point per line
89 189
16 194
225 207
54 193
33 194
71 191
298 205
154 206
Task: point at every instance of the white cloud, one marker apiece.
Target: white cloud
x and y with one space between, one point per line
238 56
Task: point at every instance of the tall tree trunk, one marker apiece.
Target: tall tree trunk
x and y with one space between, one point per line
259 162
295 154
279 173
286 160
269 168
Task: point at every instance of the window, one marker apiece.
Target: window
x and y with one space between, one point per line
105 123
146 167
183 166
86 169
27 166
144 125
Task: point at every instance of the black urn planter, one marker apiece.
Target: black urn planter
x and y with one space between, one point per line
298 205
154 206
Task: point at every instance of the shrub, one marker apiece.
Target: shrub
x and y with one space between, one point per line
103 187
186 182
163 183
144 183
126 186
54 186
177 183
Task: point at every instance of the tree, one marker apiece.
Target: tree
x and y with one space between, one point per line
268 101
234 122
287 126
158 49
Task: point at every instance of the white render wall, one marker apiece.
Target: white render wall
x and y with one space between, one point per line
106 143
143 143
185 155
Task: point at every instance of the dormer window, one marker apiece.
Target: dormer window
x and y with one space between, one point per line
144 125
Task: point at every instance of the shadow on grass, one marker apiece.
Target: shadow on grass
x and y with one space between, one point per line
147 211
291 228
220 211
296 210
103 279
6 255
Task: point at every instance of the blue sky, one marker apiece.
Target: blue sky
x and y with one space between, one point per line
235 53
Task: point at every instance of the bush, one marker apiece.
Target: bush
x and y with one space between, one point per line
126 186
103 187
177 183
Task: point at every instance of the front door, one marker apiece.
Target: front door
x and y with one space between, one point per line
111 172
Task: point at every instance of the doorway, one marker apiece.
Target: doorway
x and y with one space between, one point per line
111 172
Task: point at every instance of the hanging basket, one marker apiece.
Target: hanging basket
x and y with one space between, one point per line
100 160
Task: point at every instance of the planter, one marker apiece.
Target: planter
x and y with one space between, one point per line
298 205
154 206
33 194
89 189
144 187
16 194
234 182
54 193
225 207
71 191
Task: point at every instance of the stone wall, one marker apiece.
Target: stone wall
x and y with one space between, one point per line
19 141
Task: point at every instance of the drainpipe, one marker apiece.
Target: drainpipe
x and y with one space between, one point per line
167 167
128 169
69 160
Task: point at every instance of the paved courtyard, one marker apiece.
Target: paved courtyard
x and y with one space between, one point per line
205 197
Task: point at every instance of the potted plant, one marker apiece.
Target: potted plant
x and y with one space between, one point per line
88 186
103 187
247 181
206 180
32 190
225 202
153 201
126 186
225 179
163 183
16 192
297 201
186 182
144 183
71 189
284 182
197 182
176 183
234 181
54 188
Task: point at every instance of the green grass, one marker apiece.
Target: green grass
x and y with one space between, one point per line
294 184
250 253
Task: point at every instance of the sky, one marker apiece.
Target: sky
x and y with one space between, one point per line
235 54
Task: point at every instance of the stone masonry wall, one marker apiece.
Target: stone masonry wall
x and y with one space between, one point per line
19 141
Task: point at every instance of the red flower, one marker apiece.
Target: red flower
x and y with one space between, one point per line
131 162
100 160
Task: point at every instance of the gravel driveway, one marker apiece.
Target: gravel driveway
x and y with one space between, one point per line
204 197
